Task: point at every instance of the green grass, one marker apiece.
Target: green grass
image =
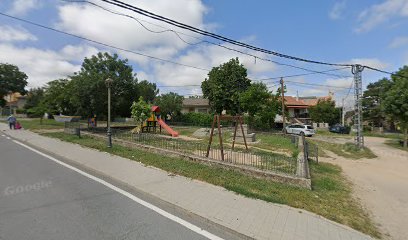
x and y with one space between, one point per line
330 134
34 124
384 135
331 196
275 142
347 150
395 143
186 131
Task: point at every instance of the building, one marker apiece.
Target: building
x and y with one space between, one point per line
14 101
298 107
199 105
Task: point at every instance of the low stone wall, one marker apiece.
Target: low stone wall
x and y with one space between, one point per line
273 176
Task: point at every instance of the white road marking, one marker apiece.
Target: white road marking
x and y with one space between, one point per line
8 138
3 135
158 210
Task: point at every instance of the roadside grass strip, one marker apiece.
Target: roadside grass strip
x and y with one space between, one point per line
331 196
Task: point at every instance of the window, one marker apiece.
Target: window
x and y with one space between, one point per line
202 110
309 127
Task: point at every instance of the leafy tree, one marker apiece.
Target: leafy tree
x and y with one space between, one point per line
170 103
224 85
373 110
57 97
253 97
261 105
11 80
325 111
34 97
396 101
89 92
147 90
140 111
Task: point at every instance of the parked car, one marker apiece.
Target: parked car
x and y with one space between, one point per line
300 129
339 129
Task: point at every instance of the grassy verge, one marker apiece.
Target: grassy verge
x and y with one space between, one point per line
330 134
276 142
384 135
35 124
395 143
186 131
331 196
347 150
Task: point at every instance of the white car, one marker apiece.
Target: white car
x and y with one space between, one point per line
300 129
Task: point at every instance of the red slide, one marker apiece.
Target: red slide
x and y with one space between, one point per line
167 128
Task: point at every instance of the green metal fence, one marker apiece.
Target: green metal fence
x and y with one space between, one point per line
253 158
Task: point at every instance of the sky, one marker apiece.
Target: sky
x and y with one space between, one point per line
368 32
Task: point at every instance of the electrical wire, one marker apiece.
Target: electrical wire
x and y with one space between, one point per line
101 43
205 41
231 41
314 84
213 35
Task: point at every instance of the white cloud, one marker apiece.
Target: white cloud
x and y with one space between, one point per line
371 62
21 7
399 42
42 66
205 57
380 13
95 23
10 34
337 11
78 52
339 83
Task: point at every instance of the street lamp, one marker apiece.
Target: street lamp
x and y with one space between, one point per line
108 83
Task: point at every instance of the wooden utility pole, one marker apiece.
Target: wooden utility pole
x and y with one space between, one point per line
283 106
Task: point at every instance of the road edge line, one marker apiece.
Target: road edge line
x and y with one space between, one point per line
152 207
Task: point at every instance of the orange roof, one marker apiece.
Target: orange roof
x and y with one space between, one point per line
292 101
155 109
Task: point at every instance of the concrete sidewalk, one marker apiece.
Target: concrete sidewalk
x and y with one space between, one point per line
254 218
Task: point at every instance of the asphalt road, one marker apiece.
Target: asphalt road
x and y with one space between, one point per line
41 199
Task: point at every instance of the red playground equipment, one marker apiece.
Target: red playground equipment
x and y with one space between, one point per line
151 124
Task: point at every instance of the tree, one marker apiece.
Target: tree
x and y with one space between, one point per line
252 99
373 110
89 92
224 85
261 105
11 80
35 103
169 103
147 90
57 97
140 111
396 101
325 111
34 97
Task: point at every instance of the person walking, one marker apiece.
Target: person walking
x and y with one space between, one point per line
12 121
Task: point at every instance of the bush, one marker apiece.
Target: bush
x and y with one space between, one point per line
20 111
194 118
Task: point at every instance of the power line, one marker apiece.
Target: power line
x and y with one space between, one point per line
101 43
119 48
205 41
229 40
305 74
315 84
213 35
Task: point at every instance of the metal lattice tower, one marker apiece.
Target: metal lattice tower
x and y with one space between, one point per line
358 93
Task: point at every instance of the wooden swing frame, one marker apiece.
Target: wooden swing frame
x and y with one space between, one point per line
217 119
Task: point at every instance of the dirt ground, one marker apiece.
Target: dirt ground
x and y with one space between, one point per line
382 185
